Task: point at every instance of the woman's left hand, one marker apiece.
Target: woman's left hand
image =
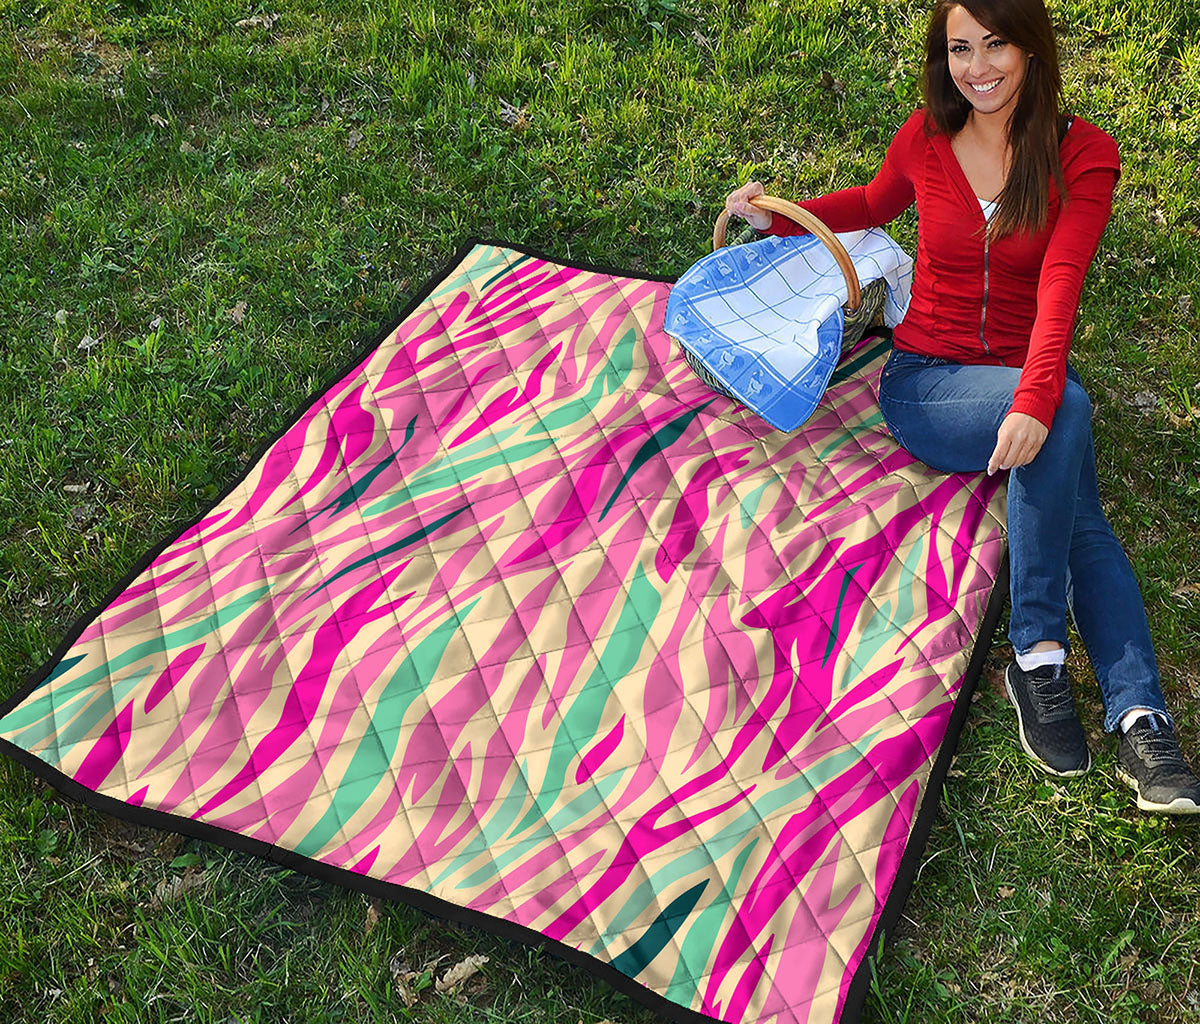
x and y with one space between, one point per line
1018 441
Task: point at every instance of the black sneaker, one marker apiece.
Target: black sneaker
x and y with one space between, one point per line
1050 729
1150 761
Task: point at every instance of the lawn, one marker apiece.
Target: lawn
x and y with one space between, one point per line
206 207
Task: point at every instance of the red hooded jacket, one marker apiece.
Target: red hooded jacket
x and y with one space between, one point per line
1008 302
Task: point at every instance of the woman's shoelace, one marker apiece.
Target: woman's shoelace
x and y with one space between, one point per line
1158 748
1053 694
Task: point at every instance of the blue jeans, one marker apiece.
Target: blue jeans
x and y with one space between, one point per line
1062 552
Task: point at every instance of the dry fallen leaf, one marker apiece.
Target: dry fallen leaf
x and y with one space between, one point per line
186 147
994 675
355 138
87 341
170 889
257 21
1005 891
60 317
829 82
1145 400
372 916
405 989
158 120
131 851
238 312
513 115
460 972
403 976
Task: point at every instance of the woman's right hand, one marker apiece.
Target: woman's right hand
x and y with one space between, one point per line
737 204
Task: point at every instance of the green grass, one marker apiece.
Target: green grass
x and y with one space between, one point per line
160 166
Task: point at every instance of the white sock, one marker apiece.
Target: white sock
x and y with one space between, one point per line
1132 716
1028 662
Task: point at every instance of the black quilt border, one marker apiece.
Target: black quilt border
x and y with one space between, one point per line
343 877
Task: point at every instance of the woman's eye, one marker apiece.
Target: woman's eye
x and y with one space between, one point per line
959 48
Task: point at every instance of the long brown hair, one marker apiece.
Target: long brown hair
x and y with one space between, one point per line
1037 124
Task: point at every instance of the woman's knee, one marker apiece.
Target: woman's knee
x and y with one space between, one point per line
1072 422
1070 434
1076 404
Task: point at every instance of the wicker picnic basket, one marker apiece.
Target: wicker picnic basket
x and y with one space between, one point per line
862 310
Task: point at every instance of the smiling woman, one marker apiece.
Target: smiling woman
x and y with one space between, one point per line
979 378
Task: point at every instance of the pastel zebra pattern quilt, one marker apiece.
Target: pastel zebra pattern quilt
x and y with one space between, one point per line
521 623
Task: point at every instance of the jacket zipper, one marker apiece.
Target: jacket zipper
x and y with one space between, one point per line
983 309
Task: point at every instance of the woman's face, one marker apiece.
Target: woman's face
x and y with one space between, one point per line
979 57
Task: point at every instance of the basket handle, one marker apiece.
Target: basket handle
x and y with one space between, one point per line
815 225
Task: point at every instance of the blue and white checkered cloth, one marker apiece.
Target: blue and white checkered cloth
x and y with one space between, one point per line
765 318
